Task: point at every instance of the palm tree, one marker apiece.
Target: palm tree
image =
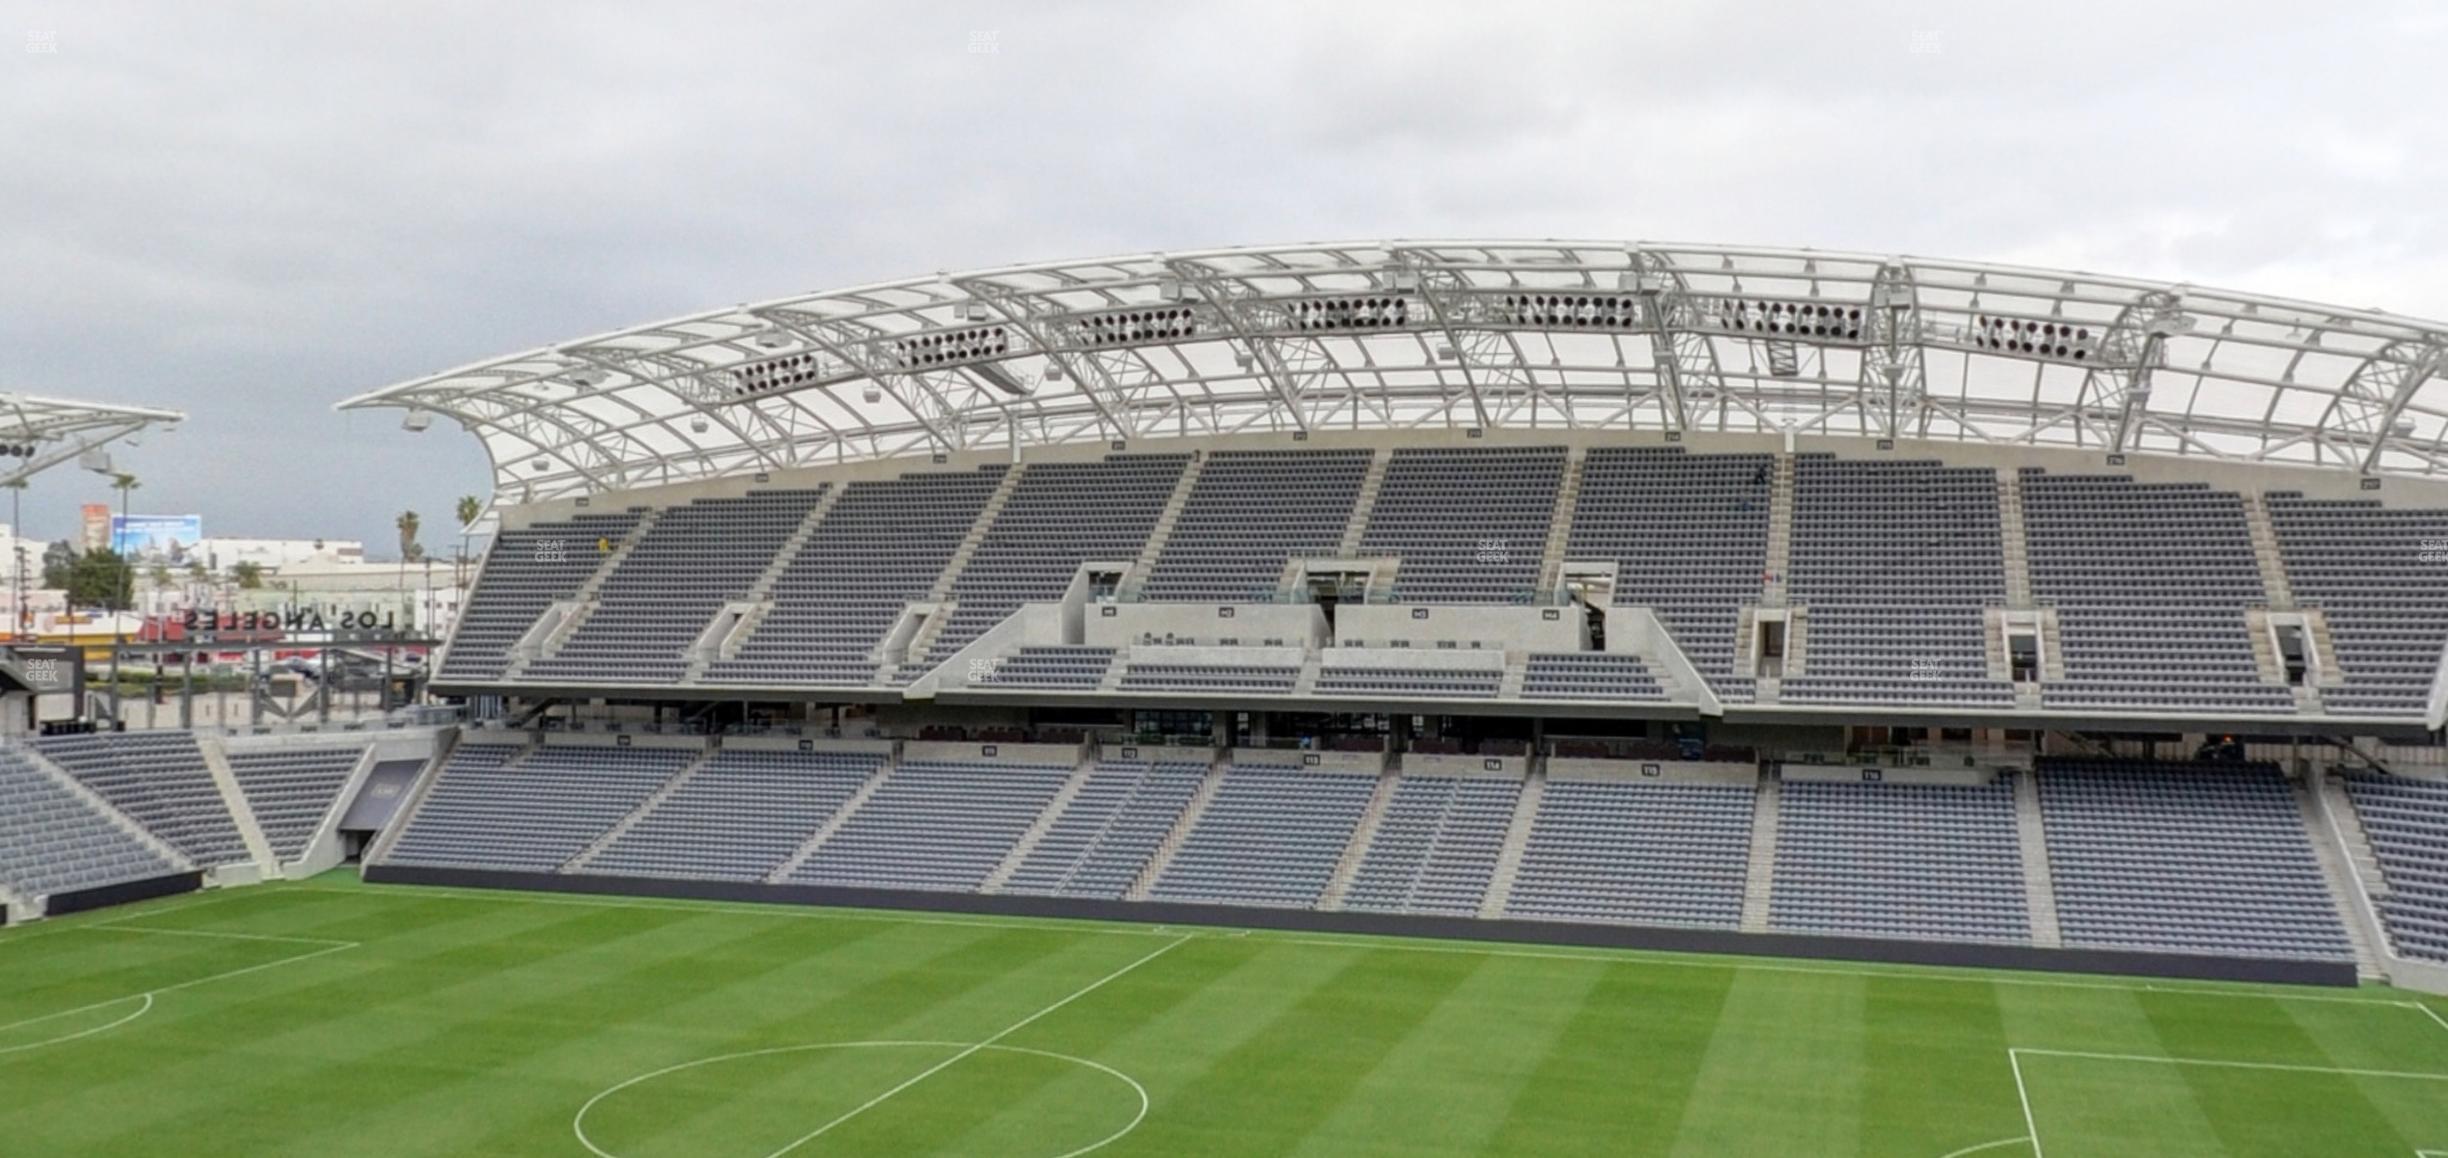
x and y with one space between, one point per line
248 574
407 524
468 508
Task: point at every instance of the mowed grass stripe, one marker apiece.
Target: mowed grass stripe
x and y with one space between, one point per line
1026 1092
1449 1085
439 1003
1632 1046
2301 1113
476 1025
1934 1066
989 978
1784 1071
1286 1039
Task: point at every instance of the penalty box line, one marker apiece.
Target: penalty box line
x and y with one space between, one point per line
2015 1056
327 948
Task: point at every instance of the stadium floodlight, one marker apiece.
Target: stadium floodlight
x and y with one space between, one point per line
772 338
97 461
699 425
1054 372
417 422
872 394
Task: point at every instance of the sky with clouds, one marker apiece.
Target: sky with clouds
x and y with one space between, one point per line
250 210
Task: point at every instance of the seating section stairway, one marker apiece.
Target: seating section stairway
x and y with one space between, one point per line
1248 514
664 594
291 789
53 841
935 824
1637 852
2407 823
879 549
1100 844
737 817
2151 582
159 780
1437 846
527 570
1272 836
1895 561
2380 577
1689 536
2186 857
1468 522
510 808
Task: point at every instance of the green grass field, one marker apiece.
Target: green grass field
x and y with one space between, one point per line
331 1018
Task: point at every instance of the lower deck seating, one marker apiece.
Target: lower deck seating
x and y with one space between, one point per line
1589 675
2407 822
1186 677
935 824
52 841
159 780
738 817
1472 683
290 790
1272 836
1436 847
1048 667
492 807
1105 839
1928 861
1639 852
2185 857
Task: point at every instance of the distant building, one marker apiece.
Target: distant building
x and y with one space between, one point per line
221 554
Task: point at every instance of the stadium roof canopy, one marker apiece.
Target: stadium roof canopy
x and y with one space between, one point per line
1457 334
40 433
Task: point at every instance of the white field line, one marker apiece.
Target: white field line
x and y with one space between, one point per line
2220 1063
2434 1015
2031 1128
148 996
1117 928
2002 1143
947 1063
2015 1056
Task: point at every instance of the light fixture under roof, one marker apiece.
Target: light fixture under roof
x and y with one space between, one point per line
417 422
773 338
585 376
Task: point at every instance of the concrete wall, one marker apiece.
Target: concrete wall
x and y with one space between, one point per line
1518 628
1352 763
1249 624
1671 771
991 753
1441 764
1642 937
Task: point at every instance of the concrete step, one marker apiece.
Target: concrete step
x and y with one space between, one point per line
1517 841
644 809
1759 882
1045 822
832 824
1356 850
1181 831
2039 876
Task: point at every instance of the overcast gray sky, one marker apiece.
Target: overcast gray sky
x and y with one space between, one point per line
248 211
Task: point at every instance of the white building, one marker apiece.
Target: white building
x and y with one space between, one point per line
221 554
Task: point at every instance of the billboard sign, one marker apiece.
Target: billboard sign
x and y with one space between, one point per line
94 532
168 539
